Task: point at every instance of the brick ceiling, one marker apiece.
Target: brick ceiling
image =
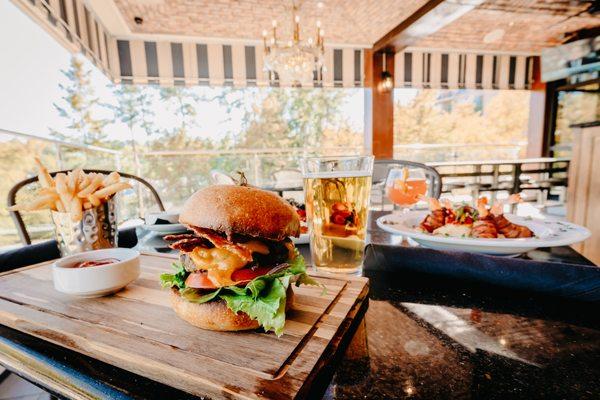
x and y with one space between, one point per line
514 25
344 21
507 25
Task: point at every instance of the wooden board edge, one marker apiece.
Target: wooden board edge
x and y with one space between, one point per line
322 371
309 335
108 353
40 374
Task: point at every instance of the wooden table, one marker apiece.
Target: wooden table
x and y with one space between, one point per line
425 337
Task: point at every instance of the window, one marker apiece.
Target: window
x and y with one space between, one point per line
458 125
580 105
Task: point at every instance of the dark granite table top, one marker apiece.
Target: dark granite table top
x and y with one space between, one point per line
423 337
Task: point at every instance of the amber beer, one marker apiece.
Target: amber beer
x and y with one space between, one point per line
337 205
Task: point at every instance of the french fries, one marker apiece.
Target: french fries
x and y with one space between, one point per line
73 192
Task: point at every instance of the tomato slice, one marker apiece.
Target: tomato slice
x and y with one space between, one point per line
247 274
199 280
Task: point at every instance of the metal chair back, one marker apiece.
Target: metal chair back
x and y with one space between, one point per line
18 219
381 169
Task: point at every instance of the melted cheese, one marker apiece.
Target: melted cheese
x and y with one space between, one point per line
219 263
291 250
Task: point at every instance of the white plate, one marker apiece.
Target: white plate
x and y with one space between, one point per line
548 233
166 228
303 239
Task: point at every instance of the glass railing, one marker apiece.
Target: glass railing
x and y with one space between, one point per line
449 152
176 174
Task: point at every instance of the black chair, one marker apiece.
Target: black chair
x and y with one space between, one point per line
381 168
18 220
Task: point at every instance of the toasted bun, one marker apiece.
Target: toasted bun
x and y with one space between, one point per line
215 315
241 209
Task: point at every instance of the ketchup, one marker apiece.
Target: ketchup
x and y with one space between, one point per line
95 263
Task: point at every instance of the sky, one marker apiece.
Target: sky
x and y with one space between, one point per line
30 73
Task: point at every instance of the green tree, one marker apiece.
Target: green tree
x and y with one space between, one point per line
292 118
134 109
183 102
180 175
78 106
441 117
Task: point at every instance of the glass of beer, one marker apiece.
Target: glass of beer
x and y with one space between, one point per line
337 191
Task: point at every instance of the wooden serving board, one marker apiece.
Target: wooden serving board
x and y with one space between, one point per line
137 330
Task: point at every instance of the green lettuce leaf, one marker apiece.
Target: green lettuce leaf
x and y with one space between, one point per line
175 280
268 308
298 267
195 296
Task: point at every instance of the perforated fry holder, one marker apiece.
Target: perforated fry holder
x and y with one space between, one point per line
96 230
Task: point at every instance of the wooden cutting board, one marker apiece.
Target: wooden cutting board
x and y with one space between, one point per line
137 330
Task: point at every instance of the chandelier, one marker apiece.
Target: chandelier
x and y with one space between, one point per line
294 61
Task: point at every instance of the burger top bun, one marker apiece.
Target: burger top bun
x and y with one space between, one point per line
241 209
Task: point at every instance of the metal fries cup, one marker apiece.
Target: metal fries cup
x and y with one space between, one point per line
96 230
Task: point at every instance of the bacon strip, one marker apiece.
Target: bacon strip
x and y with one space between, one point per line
510 230
189 244
219 241
180 236
484 228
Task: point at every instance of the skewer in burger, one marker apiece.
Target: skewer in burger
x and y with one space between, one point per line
236 270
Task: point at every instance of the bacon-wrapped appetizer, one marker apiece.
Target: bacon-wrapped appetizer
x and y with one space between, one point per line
437 217
484 227
504 226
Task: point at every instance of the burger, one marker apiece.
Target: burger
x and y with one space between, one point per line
237 267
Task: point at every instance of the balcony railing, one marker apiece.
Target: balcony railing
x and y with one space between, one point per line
178 173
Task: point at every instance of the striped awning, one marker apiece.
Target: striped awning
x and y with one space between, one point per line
436 69
127 60
132 60
216 64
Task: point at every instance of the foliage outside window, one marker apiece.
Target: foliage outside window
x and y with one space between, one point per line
574 107
453 125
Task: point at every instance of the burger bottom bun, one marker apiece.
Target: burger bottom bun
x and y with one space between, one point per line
215 315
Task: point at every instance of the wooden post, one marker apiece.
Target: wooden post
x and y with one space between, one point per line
379 106
537 109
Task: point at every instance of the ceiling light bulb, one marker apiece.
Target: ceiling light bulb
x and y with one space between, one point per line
318 24
320 4
274 23
264 33
297 18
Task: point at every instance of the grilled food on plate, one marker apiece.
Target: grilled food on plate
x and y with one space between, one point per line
237 268
466 221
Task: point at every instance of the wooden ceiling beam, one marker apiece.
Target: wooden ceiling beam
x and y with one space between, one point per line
428 19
